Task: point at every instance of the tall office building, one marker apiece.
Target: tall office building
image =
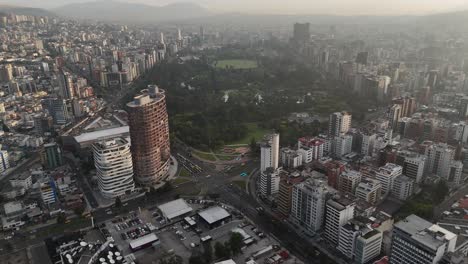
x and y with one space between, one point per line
339 124
412 163
342 145
301 33
51 155
386 176
114 168
338 212
59 109
417 241
269 152
269 181
438 159
6 73
149 134
308 204
66 85
403 187
286 188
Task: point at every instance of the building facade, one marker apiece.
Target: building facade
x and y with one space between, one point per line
149 134
114 167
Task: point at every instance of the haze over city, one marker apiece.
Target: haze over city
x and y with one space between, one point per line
333 7
233 132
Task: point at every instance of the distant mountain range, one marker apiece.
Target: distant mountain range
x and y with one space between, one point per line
110 10
120 11
29 11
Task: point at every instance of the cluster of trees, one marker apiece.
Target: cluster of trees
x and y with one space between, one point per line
200 117
222 251
423 204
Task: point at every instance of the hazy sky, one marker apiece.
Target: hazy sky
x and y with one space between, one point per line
341 7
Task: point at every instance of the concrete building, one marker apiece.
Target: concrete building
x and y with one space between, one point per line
342 145
339 123
338 212
348 181
386 175
368 246
59 109
290 158
358 241
438 158
308 204
370 190
413 164
269 181
149 134
310 149
417 241
454 176
51 155
269 152
403 187
114 168
284 199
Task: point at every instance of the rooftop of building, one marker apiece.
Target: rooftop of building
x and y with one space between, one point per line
175 208
214 214
101 134
111 143
424 232
150 95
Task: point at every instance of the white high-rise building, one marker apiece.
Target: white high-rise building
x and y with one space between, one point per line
113 161
386 176
454 176
269 152
438 159
338 212
412 163
342 145
403 187
308 204
269 181
339 123
417 241
290 158
359 241
367 144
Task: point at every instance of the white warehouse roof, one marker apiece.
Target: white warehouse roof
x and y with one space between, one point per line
213 214
175 208
229 261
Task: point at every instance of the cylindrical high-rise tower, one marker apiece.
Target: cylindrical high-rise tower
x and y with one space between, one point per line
149 134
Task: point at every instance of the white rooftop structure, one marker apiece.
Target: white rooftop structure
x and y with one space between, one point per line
105 133
229 261
174 208
213 214
143 240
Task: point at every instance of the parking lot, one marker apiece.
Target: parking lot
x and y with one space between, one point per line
185 234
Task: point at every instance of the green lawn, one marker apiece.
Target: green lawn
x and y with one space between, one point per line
180 181
241 184
225 158
253 131
184 172
236 64
205 156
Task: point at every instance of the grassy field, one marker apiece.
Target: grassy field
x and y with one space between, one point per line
241 184
180 181
254 131
184 172
236 64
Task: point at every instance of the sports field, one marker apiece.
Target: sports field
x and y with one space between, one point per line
236 64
